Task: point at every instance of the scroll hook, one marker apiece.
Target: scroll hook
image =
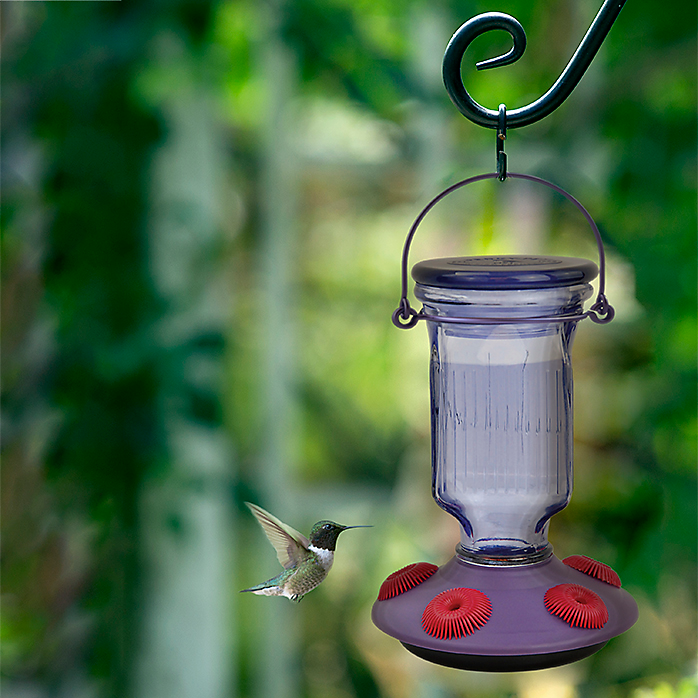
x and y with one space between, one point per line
553 98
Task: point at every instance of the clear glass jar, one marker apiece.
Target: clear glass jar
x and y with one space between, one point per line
501 410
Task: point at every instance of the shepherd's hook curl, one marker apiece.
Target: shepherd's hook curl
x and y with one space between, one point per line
553 98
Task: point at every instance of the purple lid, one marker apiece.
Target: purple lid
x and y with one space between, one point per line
502 272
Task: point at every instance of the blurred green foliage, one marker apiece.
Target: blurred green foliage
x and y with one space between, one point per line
88 370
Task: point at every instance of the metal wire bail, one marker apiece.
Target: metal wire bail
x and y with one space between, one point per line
406 317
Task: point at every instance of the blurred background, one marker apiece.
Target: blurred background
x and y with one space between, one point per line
204 204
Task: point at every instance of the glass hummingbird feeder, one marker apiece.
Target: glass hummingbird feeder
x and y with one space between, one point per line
500 331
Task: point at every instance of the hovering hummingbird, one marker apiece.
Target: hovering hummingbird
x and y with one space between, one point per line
306 561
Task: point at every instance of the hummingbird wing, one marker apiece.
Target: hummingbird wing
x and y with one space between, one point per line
290 545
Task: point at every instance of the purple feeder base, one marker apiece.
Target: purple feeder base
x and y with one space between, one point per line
521 634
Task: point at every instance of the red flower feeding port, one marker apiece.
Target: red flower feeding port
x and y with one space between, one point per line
576 605
456 612
593 568
405 579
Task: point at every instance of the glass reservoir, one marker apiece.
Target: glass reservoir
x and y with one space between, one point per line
501 396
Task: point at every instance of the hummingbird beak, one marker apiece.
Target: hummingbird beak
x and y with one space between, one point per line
344 528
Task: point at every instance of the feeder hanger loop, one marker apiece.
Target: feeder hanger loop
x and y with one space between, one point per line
501 137
551 100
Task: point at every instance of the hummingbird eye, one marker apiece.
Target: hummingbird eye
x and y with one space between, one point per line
326 527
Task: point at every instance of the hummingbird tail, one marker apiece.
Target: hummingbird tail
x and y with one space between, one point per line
265 591
269 588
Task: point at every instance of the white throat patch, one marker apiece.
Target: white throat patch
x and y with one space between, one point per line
326 556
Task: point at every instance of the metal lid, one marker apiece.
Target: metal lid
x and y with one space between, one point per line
502 272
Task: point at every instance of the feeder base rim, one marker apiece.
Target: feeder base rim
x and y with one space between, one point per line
503 663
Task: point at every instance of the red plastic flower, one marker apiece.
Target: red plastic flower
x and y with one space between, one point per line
456 612
576 605
405 579
593 568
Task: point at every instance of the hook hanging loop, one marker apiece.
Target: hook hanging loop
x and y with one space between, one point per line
553 98
501 137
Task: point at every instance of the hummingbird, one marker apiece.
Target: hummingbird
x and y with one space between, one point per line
306 561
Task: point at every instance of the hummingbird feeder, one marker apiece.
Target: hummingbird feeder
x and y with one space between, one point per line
500 331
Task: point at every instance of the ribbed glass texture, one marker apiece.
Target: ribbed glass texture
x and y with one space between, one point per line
501 405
